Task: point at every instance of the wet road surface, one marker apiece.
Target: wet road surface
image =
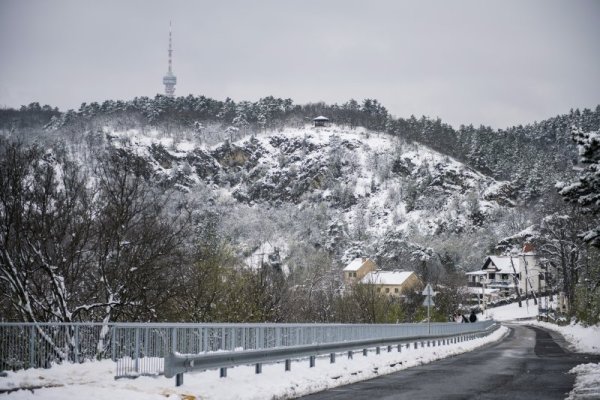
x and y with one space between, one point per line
530 363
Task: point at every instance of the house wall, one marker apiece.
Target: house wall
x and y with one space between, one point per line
390 290
533 271
354 276
396 290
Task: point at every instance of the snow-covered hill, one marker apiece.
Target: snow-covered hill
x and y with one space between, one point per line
378 190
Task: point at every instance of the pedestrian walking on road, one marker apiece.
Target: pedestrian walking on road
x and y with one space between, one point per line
473 317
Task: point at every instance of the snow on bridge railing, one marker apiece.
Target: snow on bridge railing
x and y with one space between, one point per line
139 348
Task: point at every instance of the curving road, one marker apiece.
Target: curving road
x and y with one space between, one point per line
530 363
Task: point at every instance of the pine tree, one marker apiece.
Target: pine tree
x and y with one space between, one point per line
586 190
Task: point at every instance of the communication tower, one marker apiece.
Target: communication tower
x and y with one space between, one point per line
169 79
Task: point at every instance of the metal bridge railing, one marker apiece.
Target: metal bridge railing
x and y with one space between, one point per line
177 364
140 348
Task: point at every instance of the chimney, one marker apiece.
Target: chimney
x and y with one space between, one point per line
528 248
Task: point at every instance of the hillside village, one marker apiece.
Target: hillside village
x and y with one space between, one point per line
268 204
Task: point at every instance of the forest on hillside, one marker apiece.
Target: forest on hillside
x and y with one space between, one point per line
101 239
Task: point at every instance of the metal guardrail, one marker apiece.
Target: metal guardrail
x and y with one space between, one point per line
176 364
140 348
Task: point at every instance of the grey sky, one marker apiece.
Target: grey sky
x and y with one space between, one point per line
498 63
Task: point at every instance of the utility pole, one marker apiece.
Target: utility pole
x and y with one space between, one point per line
516 281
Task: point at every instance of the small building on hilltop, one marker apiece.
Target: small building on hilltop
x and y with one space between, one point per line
392 283
321 121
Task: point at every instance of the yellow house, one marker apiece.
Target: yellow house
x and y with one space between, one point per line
392 283
357 269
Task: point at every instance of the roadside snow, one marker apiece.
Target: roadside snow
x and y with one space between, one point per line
96 379
583 339
587 382
511 312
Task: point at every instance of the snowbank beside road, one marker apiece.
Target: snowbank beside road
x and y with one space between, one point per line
96 379
583 339
587 382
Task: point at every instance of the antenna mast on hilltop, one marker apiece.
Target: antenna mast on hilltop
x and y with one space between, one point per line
169 79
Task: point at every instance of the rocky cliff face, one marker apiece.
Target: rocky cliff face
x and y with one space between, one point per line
377 189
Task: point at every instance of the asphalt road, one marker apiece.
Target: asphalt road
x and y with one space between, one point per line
530 363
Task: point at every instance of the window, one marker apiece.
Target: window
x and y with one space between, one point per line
387 289
396 290
504 277
492 276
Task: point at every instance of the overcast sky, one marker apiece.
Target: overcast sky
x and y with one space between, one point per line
497 63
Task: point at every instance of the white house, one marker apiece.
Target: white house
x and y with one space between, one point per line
500 273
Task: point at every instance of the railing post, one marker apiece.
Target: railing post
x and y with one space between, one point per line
32 347
146 342
311 361
258 368
113 343
137 350
332 358
179 379
288 365
173 340
76 345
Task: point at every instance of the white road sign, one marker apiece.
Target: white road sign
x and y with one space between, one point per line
428 291
428 302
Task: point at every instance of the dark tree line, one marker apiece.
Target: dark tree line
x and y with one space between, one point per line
532 157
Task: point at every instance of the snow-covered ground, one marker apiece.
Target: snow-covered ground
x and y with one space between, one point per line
587 382
96 379
511 312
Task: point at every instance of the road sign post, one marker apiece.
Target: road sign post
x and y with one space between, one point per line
429 294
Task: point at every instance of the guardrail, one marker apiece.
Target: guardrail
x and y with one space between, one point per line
140 348
176 364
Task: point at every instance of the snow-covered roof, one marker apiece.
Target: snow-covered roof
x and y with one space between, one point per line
387 277
480 272
355 264
504 265
321 118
